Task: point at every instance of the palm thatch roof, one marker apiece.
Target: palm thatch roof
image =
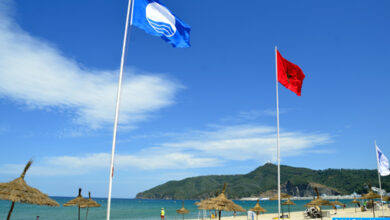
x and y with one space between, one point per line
386 198
355 201
257 208
371 195
78 201
282 196
90 203
18 191
182 210
337 203
221 203
288 202
318 201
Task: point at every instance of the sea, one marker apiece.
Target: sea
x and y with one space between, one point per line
132 209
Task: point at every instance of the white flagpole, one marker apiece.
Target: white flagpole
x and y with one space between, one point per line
379 178
277 122
117 109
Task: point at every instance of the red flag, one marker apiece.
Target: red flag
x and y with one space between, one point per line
289 74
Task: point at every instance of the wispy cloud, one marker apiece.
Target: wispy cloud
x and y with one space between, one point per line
38 75
248 142
79 165
194 149
251 115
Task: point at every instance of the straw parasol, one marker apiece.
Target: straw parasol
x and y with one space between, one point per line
91 203
282 196
336 203
354 201
220 203
78 201
386 198
257 208
182 210
18 191
371 195
318 201
288 202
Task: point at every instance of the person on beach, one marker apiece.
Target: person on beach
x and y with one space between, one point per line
162 213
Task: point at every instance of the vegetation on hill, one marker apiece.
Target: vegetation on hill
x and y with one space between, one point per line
295 181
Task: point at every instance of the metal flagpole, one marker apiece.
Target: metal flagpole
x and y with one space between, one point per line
117 109
277 122
379 178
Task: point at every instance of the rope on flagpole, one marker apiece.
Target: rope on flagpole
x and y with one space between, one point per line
277 122
117 111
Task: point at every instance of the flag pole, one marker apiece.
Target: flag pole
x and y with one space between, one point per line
117 108
379 178
277 122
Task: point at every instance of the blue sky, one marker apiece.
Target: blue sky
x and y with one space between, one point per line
208 109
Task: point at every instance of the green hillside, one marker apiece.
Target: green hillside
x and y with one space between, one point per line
295 181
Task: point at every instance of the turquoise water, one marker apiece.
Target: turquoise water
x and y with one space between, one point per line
129 209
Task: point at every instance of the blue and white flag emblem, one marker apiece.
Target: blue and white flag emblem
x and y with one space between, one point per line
156 19
383 162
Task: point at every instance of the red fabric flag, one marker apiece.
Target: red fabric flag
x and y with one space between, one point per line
289 74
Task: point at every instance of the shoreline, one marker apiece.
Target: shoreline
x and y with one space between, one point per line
298 215
304 198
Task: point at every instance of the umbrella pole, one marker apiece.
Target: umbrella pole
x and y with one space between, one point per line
373 212
219 214
289 211
86 216
321 212
10 211
79 212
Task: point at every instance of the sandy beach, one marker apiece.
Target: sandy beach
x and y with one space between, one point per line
345 213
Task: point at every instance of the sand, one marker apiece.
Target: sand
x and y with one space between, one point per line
344 213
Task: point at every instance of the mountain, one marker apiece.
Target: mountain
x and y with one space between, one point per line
263 182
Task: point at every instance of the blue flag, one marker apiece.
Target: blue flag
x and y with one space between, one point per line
156 19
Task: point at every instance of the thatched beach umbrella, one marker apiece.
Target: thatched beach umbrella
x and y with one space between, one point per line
91 203
282 197
220 203
354 201
337 203
18 191
257 208
78 201
203 204
182 210
319 201
371 195
288 202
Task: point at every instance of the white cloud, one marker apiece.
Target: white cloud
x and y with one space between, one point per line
245 116
35 73
79 165
195 149
249 142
